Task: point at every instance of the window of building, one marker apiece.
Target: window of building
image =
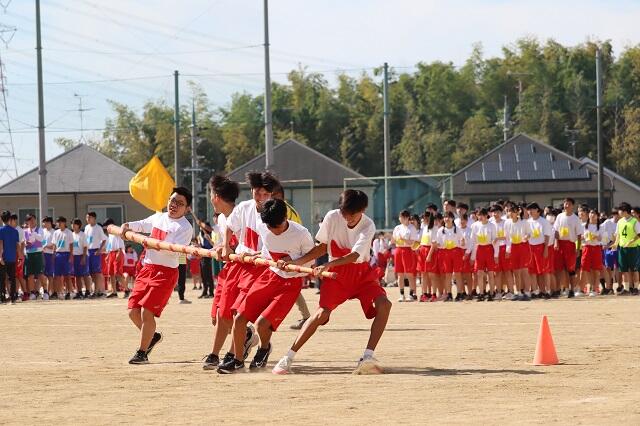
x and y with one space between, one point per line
22 214
104 211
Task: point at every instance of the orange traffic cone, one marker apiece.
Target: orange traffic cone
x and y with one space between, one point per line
545 349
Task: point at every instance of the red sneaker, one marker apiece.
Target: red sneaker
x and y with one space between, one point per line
433 298
25 297
424 298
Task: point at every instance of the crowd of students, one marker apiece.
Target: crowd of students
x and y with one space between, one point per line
512 251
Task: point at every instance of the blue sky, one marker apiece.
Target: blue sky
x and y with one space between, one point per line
139 43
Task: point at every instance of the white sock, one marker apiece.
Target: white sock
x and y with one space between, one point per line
291 354
368 353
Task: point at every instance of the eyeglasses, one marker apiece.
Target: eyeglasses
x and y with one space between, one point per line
175 202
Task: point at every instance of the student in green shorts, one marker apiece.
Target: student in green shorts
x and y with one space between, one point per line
627 242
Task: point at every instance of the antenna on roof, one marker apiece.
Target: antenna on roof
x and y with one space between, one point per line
573 138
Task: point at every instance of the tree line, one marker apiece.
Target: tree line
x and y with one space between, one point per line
443 116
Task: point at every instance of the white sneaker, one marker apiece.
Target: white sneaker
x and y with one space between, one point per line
498 296
578 294
401 298
592 294
185 302
367 366
32 296
283 366
250 342
45 296
508 296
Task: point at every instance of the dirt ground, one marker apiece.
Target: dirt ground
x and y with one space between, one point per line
447 363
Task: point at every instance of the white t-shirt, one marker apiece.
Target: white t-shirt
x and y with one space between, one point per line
295 242
540 228
516 232
428 236
161 227
499 231
380 245
405 235
47 238
482 235
358 240
114 243
79 243
591 233
95 236
243 221
62 240
448 239
609 227
20 234
568 227
130 259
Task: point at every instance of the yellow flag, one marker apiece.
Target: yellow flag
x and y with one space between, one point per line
152 185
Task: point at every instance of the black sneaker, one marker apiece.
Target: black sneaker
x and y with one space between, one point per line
126 295
230 367
54 295
525 298
634 291
261 358
67 296
623 293
78 296
251 339
157 338
139 358
570 294
227 358
480 297
620 289
489 297
211 362
449 298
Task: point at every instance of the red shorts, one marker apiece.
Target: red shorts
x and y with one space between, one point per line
354 281
539 264
449 261
520 257
429 267
226 291
566 256
20 268
270 297
484 259
591 258
105 264
153 288
467 266
129 270
503 263
194 266
115 263
382 259
404 260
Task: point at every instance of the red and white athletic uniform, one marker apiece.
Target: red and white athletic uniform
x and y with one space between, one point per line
115 259
482 247
501 264
380 249
130 260
218 291
568 229
427 238
467 265
404 259
243 222
592 248
450 241
355 280
274 292
540 228
517 234
155 282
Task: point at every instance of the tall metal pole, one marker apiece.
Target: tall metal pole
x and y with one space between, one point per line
176 122
268 129
387 156
194 160
599 130
506 119
43 204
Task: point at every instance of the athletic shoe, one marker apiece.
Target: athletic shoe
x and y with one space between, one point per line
78 296
592 294
623 293
126 295
570 294
230 366
498 296
468 297
605 291
45 296
298 325
508 296
283 366
413 297
184 302
410 299
620 289
67 296
434 298
250 341
211 362
368 365
261 358
634 291
448 298
489 298
157 338
480 298
524 297
139 358
424 298
578 294
516 297
32 296
25 297
112 295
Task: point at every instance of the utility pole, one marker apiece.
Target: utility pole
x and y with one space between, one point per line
268 129
506 120
387 157
599 129
194 160
42 163
81 111
176 122
573 138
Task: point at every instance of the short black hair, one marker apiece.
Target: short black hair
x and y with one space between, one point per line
353 201
13 216
61 219
463 206
452 203
77 221
496 208
29 216
625 207
181 190
92 214
405 213
224 188
108 222
483 212
273 212
47 219
570 200
431 206
5 216
533 206
278 189
264 180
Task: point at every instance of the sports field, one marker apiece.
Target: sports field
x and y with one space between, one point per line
447 363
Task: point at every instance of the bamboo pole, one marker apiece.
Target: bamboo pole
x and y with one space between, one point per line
153 243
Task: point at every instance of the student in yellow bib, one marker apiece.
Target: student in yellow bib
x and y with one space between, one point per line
294 216
627 242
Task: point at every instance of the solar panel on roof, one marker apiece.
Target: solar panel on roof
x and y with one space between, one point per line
571 174
500 176
528 165
535 175
509 166
473 176
561 165
491 165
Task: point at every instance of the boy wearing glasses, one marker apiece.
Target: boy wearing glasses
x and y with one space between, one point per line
155 281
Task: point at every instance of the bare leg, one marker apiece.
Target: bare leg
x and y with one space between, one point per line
147 329
320 317
264 331
239 333
383 308
223 327
136 317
